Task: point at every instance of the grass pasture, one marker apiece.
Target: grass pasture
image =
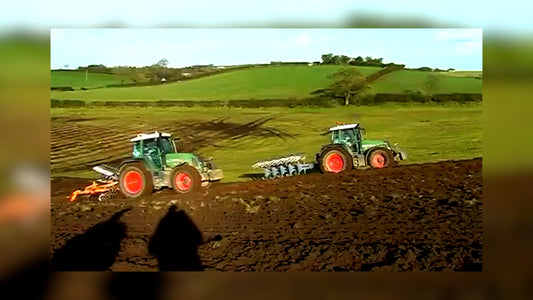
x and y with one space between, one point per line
276 82
78 79
428 82
273 82
236 138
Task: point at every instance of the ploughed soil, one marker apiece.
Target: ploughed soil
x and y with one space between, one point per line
425 217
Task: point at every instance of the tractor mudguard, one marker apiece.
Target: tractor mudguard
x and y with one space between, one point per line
326 147
146 164
368 151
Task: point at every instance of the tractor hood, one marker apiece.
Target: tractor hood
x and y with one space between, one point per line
175 159
367 144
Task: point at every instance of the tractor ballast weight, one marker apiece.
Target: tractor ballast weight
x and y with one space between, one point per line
157 163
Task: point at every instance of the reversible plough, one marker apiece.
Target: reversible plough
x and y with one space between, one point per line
285 166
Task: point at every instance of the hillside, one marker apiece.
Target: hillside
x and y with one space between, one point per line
429 82
272 82
279 82
78 79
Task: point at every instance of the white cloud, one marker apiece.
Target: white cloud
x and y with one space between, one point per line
302 39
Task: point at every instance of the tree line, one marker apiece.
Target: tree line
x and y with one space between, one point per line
334 59
154 73
331 59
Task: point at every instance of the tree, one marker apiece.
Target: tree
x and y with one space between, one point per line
344 60
163 63
327 58
358 61
346 83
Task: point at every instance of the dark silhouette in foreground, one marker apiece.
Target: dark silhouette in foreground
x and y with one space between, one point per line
94 250
175 242
129 285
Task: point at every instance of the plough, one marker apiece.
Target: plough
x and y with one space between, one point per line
284 166
105 189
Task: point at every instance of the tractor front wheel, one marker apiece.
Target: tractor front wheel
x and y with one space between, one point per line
380 158
335 160
135 181
186 179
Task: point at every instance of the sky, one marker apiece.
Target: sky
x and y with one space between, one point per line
460 49
507 16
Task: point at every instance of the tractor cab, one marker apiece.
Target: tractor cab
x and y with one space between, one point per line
154 148
350 135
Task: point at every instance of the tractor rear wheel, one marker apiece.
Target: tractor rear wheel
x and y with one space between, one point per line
380 158
335 160
186 179
135 181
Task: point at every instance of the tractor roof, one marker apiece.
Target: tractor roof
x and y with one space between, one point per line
341 127
145 136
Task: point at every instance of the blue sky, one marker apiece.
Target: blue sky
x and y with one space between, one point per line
508 16
443 48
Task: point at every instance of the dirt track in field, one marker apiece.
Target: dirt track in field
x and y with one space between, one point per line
424 217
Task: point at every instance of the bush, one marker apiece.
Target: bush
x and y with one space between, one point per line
67 103
389 69
62 88
322 101
416 97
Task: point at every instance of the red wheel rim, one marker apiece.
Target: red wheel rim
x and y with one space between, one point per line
379 160
183 181
133 182
334 163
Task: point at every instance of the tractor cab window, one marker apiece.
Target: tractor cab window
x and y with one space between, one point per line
137 150
335 137
349 136
166 145
150 147
152 152
361 133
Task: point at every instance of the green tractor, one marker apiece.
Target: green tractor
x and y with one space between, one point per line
349 149
156 163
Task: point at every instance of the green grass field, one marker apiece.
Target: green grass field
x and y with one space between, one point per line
275 82
428 82
278 82
77 80
428 133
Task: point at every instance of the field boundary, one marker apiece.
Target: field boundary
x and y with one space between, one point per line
370 99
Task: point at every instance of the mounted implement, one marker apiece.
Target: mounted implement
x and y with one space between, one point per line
285 166
157 163
348 149
102 191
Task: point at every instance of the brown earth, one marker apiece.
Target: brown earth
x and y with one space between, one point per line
71 150
425 217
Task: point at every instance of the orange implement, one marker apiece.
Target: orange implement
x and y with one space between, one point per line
95 188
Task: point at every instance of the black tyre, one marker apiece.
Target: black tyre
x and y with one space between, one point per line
380 159
335 160
186 179
135 181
